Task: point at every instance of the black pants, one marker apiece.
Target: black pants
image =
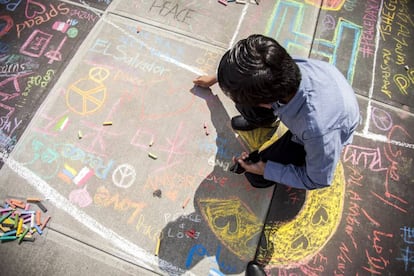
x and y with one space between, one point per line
256 115
283 151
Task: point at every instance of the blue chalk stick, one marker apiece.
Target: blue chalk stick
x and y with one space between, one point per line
9 233
38 229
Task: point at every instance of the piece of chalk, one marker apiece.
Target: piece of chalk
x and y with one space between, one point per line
44 223
406 67
19 227
241 1
38 215
6 210
38 230
32 239
23 235
33 199
27 212
18 203
157 248
10 204
108 123
14 201
4 229
80 134
8 238
153 156
41 206
16 219
224 2
32 220
186 202
11 232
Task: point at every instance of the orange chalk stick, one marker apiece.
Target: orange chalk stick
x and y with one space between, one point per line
38 214
44 223
33 199
18 203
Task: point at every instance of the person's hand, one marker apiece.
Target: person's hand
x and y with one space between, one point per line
256 168
205 81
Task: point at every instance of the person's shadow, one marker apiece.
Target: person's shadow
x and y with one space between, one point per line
227 223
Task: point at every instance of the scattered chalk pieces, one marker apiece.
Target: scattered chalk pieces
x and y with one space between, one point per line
21 221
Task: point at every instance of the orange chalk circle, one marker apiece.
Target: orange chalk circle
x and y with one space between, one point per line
87 95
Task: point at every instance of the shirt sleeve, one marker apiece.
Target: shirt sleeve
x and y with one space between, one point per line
322 155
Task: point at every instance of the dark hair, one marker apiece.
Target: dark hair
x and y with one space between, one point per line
258 70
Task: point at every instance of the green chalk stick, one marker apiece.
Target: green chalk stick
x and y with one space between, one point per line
24 234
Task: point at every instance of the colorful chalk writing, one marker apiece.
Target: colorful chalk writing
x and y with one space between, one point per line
139 77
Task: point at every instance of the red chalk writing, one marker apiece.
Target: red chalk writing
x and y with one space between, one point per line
377 263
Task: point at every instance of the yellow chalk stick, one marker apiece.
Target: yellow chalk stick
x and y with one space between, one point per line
153 156
157 248
19 227
108 123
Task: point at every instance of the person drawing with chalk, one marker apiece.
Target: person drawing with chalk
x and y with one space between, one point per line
310 97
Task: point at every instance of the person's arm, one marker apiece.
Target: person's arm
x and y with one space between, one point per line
205 81
322 155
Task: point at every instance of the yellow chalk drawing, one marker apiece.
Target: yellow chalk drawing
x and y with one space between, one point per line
87 95
233 223
295 242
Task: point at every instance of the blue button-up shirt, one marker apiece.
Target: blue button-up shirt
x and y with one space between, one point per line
322 116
